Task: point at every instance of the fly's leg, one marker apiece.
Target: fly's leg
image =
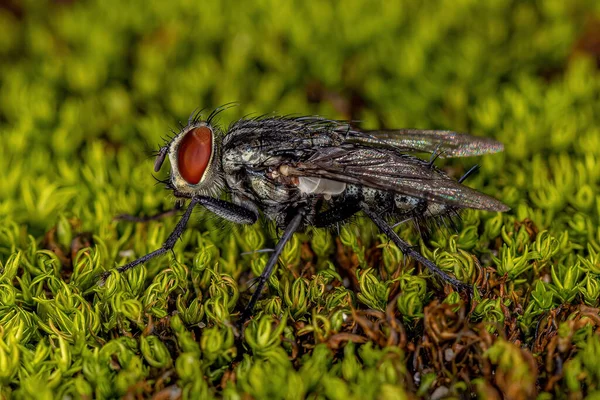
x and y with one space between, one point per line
229 211
292 227
411 252
161 215
336 214
224 209
168 245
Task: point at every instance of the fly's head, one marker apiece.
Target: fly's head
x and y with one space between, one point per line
194 154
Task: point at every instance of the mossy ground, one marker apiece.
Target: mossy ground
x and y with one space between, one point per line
88 87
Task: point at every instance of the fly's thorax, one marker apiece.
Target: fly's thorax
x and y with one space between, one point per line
247 156
268 191
194 154
246 170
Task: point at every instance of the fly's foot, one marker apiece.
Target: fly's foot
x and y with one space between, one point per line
103 277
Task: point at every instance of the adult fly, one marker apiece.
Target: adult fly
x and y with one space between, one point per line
312 171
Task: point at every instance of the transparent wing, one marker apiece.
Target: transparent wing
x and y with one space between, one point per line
387 170
448 143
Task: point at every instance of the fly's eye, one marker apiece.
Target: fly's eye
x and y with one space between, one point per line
194 154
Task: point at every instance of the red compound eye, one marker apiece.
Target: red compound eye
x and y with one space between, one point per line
194 154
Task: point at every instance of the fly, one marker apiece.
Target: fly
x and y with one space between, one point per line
311 171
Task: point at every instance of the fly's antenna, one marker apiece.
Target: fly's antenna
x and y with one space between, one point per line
160 158
149 150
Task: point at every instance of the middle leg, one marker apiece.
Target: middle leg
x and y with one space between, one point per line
291 228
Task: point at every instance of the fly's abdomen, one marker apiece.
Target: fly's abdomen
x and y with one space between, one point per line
392 204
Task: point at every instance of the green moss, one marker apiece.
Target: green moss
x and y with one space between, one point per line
87 89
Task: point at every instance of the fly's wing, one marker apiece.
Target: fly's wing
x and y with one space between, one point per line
387 170
448 143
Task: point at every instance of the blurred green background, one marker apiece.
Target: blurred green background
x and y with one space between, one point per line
87 90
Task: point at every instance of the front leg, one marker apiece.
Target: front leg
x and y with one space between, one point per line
229 211
225 209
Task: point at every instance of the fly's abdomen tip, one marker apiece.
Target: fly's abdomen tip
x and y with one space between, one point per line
500 207
504 208
491 204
